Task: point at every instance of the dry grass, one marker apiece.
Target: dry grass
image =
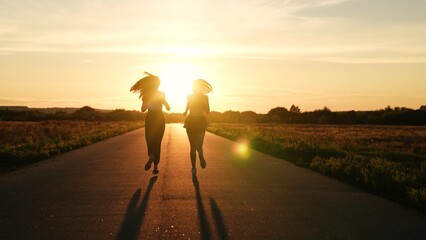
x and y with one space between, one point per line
387 160
22 143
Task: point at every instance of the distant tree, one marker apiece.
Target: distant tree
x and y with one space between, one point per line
249 117
214 117
323 115
323 120
423 107
402 109
274 118
388 109
281 112
86 113
326 109
60 115
86 109
123 115
263 118
34 115
294 109
372 119
231 116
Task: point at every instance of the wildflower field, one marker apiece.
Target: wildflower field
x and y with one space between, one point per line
23 143
387 160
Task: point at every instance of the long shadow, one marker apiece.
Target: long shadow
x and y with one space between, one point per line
204 227
135 214
218 219
217 215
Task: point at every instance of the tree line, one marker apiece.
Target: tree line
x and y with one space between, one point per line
385 116
293 115
85 113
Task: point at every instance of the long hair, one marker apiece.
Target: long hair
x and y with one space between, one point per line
202 86
146 86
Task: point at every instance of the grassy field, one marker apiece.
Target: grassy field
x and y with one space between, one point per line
23 143
387 160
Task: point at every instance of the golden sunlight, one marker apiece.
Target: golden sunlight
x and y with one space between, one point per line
242 148
176 82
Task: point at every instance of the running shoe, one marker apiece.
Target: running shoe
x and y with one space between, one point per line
203 163
149 162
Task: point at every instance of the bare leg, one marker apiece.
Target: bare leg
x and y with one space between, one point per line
199 142
192 142
199 145
154 131
149 140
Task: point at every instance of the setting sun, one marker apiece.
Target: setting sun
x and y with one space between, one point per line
176 82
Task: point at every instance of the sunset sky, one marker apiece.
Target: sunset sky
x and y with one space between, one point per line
343 54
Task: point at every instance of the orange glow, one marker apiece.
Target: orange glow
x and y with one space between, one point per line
242 149
176 82
257 56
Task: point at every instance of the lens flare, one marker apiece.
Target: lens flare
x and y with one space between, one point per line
242 148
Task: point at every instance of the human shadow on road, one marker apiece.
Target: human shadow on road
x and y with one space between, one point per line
204 226
217 216
135 214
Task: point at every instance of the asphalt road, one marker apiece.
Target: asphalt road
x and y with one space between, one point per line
102 192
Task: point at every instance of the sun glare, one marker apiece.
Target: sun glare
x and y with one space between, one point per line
242 148
176 82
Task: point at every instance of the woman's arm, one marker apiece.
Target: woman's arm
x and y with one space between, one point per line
144 107
186 110
165 103
187 106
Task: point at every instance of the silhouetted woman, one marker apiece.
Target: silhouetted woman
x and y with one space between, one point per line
196 123
153 101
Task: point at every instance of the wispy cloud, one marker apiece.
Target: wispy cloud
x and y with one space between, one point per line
253 29
298 5
373 60
38 102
